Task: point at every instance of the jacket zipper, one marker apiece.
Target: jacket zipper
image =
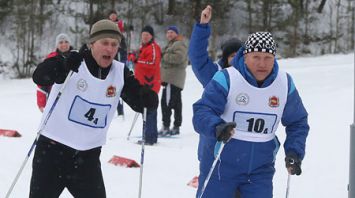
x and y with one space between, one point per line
99 73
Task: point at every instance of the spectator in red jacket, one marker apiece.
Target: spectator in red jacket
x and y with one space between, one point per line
62 43
147 71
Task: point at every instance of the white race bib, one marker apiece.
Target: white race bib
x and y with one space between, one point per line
88 113
260 123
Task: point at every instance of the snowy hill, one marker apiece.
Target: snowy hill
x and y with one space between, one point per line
325 84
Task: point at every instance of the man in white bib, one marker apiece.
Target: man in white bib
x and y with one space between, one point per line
67 154
242 107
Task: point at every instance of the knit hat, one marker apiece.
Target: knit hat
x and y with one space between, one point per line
61 37
173 28
228 47
112 12
260 42
148 29
104 29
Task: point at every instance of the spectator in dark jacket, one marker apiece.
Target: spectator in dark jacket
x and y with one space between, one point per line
62 43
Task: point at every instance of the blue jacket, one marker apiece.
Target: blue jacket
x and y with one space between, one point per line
210 107
202 65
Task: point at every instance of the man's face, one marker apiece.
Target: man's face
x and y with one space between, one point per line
260 64
113 17
170 35
104 51
63 46
146 37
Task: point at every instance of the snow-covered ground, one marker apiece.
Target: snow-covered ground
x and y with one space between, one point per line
325 84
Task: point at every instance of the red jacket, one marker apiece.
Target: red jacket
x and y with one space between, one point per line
43 91
121 25
147 66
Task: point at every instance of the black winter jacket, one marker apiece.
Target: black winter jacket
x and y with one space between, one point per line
53 70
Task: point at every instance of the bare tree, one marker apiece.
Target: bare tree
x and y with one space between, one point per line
321 6
6 8
351 24
298 25
171 7
28 30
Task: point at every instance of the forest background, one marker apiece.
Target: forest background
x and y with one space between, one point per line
301 27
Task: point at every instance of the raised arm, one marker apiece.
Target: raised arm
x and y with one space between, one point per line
202 64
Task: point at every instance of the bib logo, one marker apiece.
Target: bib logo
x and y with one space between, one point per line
242 99
111 91
274 101
82 85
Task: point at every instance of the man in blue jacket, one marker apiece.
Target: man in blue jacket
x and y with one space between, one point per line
242 106
202 65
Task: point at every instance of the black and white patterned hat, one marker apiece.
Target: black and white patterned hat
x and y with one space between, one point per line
260 42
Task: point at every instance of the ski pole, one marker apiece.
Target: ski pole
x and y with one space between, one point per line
38 134
218 155
120 108
288 185
142 151
132 126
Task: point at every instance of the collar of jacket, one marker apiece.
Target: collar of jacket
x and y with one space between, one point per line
177 38
222 64
64 54
238 63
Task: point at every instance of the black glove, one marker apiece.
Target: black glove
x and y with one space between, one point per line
148 98
293 163
73 61
225 131
58 64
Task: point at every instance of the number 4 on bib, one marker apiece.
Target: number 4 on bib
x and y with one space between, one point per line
88 113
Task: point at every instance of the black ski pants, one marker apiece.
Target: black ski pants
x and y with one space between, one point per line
56 166
171 100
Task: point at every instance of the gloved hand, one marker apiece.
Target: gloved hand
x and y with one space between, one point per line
59 71
73 61
132 56
293 164
225 131
148 98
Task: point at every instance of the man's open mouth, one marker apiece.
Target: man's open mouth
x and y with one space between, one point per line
106 57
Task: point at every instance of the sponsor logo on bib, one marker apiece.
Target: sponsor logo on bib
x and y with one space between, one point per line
111 91
82 85
274 101
242 99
